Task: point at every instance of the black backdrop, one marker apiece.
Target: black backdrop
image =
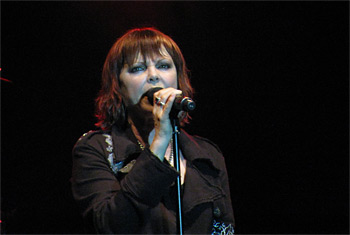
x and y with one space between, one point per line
272 92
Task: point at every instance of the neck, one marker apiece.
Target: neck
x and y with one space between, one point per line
142 124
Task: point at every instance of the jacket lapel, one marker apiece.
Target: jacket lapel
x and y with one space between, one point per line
123 143
199 187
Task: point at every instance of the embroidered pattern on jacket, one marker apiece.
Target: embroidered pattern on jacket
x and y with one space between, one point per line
222 229
115 166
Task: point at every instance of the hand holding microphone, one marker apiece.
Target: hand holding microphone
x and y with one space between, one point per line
181 103
167 104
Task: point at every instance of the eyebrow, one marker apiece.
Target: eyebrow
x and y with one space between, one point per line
164 59
156 61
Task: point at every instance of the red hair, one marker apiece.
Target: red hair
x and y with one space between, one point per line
110 109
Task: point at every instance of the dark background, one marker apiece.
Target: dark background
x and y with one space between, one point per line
272 92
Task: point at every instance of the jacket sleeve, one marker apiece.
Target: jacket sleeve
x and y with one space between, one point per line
113 206
228 217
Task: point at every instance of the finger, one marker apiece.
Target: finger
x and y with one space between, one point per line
169 103
162 109
162 96
166 102
181 115
157 98
158 101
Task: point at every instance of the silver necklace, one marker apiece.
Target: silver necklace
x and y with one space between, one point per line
171 157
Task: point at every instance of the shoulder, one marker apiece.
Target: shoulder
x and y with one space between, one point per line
201 142
92 146
199 148
207 143
92 138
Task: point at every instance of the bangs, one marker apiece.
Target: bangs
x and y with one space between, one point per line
145 46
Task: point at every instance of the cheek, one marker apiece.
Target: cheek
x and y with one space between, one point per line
172 79
130 95
175 81
132 90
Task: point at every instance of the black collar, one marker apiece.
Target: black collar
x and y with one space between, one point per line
124 142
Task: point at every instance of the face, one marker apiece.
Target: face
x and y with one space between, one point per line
141 76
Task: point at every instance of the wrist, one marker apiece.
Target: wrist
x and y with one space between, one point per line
159 147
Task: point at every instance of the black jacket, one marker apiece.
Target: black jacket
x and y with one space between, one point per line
117 199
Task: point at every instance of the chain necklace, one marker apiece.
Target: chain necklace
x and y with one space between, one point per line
141 145
171 157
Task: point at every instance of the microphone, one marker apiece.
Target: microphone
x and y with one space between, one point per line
181 103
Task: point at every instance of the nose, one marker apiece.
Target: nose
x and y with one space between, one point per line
153 76
153 79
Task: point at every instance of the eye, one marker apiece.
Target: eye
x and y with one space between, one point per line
137 68
164 66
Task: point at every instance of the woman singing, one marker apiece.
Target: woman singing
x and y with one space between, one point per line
123 176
